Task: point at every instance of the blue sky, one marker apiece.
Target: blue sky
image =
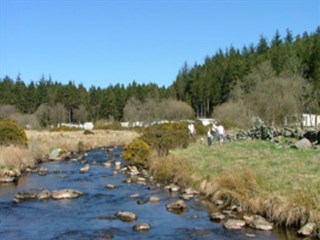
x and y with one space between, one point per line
104 42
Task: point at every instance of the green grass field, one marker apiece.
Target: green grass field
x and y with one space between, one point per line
280 183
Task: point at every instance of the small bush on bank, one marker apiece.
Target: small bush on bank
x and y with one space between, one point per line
137 152
164 137
12 133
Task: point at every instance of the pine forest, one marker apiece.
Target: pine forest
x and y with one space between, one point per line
273 80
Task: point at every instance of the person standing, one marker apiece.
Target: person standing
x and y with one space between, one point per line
191 130
214 131
220 129
209 136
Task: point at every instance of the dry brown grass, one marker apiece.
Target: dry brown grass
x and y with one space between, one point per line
41 143
170 169
15 157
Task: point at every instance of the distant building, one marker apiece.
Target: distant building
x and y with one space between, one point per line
206 121
310 120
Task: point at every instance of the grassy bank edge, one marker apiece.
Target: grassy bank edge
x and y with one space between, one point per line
241 186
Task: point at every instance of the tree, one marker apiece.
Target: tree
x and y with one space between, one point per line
262 47
31 98
80 114
170 109
20 93
58 114
94 102
6 90
43 114
6 111
131 111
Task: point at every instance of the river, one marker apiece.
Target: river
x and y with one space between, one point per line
91 216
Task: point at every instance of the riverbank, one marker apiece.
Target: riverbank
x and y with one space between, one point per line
279 183
14 159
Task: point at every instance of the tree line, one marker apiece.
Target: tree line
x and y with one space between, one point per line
270 80
206 86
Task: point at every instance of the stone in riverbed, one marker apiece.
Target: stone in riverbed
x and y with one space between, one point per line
28 195
85 169
154 199
258 222
234 224
126 216
6 179
141 227
217 216
172 188
65 194
307 230
44 195
107 164
135 195
57 154
143 201
177 206
110 186
43 171
9 175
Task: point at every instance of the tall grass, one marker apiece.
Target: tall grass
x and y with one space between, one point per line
41 143
15 157
281 184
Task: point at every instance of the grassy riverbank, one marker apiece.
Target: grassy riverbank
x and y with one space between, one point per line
282 184
41 143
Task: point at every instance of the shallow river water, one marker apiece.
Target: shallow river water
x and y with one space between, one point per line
90 215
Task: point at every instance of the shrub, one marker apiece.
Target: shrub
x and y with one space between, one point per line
137 152
12 133
88 132
108 125
163 137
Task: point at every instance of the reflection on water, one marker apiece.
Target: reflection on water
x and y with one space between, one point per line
92 215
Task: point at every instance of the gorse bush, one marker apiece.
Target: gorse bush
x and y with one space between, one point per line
12 133
163 137
137 152
160 138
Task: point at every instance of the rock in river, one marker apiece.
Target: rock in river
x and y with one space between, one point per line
258 222
44 195
307 229
217 216
84 169
141 227
28 195
66 193
177 206
126 216
234 224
